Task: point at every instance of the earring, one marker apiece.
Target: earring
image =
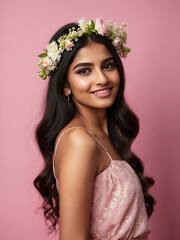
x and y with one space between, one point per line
67 96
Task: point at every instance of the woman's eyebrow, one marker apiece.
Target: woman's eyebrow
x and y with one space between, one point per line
108 59
83 64
91 64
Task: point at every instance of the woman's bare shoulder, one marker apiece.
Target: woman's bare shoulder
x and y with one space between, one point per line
75 135
76 145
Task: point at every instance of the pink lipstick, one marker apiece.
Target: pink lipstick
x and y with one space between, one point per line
102 93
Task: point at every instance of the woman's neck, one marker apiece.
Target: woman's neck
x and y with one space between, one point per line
93 119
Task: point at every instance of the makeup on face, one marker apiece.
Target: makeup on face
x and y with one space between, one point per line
94 77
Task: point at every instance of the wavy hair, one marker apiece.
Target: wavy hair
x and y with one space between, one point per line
123 127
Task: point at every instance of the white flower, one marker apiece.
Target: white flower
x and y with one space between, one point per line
113 29
82 24
53 52
79 33
73 34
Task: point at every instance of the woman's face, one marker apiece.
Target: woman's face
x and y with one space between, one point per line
93 77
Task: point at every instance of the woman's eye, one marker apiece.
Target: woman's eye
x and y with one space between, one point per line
109 65
83 71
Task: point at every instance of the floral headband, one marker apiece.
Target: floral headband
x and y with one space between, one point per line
52 55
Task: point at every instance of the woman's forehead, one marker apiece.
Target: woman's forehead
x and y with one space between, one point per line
93 51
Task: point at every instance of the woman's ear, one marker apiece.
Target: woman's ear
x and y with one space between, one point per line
67 90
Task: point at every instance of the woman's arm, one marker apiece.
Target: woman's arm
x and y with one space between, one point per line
76 167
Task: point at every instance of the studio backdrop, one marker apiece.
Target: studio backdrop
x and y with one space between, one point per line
152 90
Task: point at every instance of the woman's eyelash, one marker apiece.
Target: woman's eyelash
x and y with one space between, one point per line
110 65
83 71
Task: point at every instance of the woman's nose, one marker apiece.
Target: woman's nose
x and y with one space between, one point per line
101 78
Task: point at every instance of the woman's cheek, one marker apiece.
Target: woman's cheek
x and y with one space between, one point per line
81 84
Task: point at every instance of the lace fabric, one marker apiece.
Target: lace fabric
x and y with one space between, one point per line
118 208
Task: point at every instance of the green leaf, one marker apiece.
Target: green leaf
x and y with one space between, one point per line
43 75
92 25
42 55
88 30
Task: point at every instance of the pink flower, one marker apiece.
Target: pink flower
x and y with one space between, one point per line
69 45
47 72
117 42
101 27
46 62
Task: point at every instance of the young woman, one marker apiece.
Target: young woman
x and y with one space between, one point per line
92 184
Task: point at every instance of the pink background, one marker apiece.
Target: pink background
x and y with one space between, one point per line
152 90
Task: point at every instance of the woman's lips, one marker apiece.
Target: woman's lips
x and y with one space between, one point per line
102 93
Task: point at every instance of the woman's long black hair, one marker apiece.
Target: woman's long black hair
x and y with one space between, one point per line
123 127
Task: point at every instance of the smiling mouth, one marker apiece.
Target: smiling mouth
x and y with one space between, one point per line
102 91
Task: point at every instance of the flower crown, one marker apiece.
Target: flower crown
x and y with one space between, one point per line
52 55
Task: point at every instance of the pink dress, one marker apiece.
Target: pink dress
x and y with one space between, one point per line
118 209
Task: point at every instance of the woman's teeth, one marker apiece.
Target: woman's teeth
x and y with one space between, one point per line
102 91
